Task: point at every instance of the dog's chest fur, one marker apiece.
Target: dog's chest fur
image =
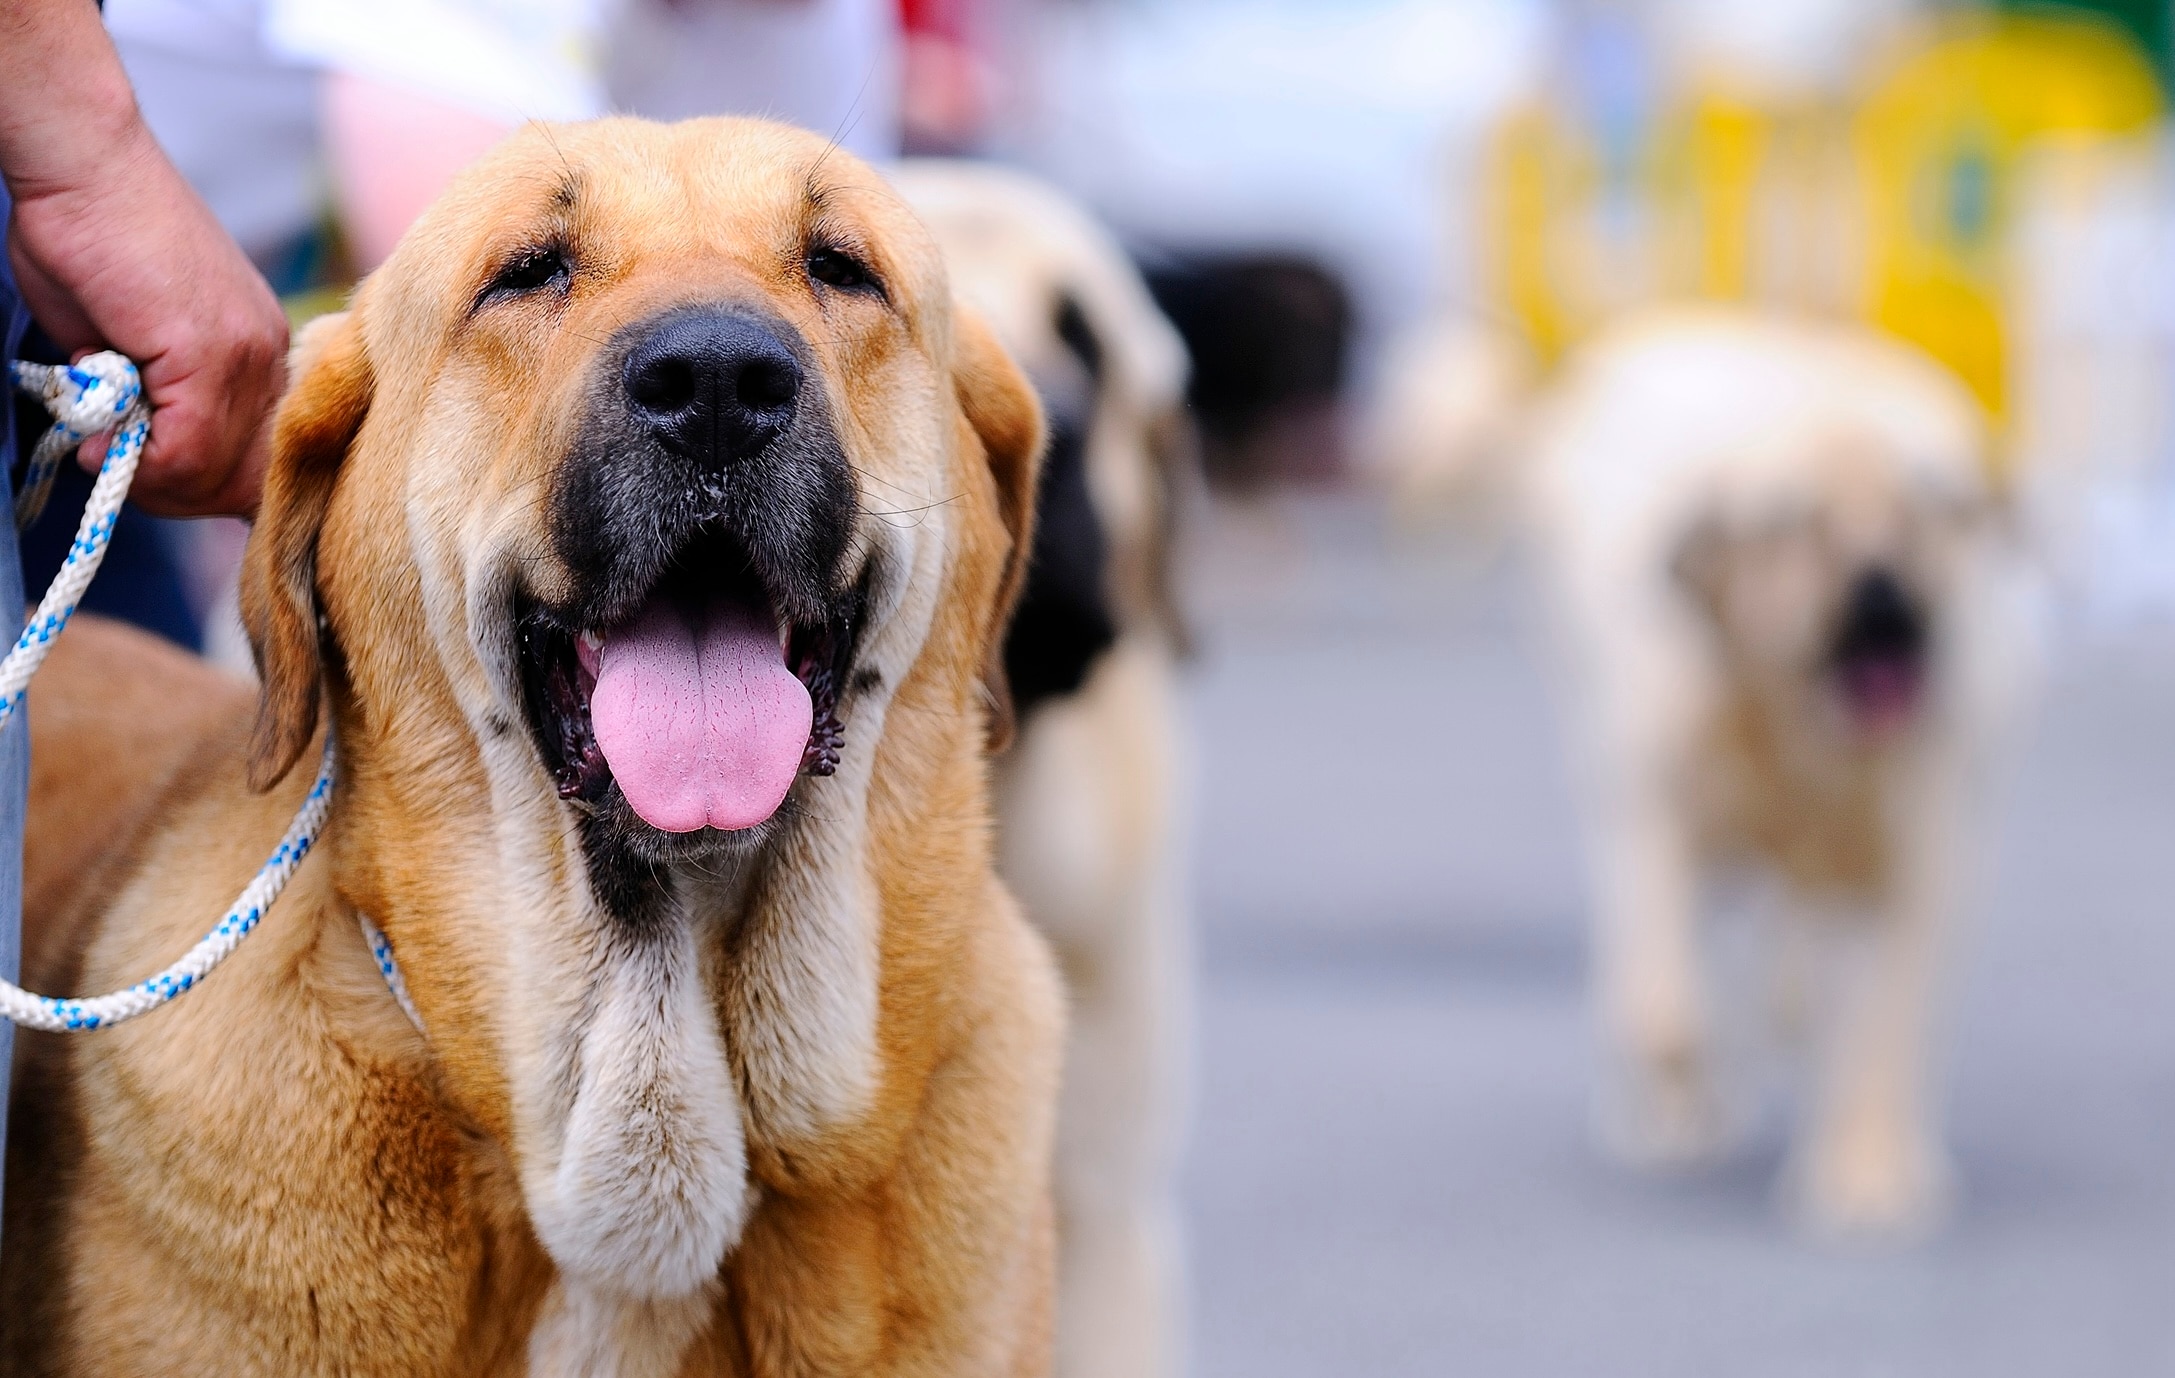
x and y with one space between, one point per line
1767 787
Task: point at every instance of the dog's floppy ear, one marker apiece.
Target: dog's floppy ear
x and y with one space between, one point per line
1174 451
1006 414
328 394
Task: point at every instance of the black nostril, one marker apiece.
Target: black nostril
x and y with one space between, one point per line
766 385
713 385
663 385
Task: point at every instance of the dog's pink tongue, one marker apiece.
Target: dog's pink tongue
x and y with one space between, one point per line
698 716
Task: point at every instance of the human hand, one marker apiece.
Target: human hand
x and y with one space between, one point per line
117 251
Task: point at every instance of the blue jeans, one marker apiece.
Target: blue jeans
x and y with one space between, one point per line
15 734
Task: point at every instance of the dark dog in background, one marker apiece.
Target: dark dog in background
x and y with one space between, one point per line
1270 337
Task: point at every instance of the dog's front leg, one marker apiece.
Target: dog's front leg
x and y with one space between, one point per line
1658 1102
1869 1160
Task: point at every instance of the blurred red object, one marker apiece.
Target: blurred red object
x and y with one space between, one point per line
947 89
949 18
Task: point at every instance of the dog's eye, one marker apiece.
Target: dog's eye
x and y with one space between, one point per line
837 268
528 271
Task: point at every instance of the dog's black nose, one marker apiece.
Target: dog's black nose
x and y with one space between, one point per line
714 385
1881 618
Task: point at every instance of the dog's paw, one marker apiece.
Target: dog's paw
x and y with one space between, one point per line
1664 1112
1878 1185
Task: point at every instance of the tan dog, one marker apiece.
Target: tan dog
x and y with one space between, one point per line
1090 798
648 525
1443 425
1783 607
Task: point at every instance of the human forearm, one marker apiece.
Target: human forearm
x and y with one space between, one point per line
113 249
65 102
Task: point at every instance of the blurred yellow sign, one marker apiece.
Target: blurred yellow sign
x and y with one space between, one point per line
1940 143
1720 196
1899 206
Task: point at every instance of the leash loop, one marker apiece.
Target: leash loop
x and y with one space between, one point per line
103 392
56 1015
381 952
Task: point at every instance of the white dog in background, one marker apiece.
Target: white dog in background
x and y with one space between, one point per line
1090 798
1786 614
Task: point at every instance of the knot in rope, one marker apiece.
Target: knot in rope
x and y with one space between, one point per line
99 392
85 397
102 392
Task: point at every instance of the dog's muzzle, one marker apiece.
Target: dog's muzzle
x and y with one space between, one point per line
704 514
1879 651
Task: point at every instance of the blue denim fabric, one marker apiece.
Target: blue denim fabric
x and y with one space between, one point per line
15 733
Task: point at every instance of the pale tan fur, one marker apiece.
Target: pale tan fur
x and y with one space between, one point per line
1091 797
1443 425
805 1128
1705 486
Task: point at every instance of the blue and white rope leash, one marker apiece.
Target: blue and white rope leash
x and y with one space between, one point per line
99 1011
100 393
381 952
103 392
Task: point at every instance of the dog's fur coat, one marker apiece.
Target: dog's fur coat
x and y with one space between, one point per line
1781 591
763 1103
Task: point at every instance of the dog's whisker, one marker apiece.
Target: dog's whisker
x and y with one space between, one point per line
909 518
874 477
848 122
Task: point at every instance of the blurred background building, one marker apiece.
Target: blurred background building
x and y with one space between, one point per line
1331 198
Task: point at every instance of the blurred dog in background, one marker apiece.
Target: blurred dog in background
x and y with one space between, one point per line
1774 554
1089 799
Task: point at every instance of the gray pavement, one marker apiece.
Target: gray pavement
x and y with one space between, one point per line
1389 1173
